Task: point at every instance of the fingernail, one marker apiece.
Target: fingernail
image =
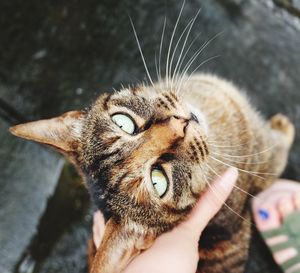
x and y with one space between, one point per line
263 214
229 176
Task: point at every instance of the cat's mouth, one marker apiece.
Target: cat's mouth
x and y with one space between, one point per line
198 117
194 117
195 138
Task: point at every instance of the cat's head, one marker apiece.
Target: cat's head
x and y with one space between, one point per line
141 150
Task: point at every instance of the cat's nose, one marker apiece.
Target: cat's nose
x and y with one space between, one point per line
178 125
160 137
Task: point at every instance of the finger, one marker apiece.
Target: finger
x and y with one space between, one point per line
212 200
98 228
296 199
285 206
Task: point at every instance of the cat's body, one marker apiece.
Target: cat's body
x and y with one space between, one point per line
186 140
241 138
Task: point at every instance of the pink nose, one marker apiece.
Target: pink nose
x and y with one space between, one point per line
160 137
178 125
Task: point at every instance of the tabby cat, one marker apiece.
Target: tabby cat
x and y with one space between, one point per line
147 153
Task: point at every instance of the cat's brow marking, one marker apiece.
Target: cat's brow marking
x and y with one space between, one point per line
106 101
163 103
170 100
136 106
167 157
135 89
174 96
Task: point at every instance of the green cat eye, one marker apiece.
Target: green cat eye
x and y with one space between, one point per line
124 122
159 181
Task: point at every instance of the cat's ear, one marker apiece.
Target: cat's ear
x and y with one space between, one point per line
62 132
119 245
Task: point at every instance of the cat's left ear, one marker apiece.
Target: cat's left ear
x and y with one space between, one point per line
63 132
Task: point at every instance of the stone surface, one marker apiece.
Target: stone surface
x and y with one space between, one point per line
61 240
292 6
296 4
59 56
29 175
70 253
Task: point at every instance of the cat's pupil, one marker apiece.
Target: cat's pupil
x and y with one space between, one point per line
159 181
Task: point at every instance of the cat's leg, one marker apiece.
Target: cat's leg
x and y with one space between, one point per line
228 255
282 125
282 134
275 142
91 252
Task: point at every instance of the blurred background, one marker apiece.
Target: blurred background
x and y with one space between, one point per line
57 56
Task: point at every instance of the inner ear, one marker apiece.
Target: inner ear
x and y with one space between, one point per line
61 132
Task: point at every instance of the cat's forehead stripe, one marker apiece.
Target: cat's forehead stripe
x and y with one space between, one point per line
170 100
138 106
135 89
173 96
106 101
162 103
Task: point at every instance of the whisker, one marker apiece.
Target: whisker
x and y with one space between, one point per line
235 186
160 47
171 42
225 204
249 155
184 56
196 54
244 162
156 67
204 62
184 43
222 147
228 146
175 48
242 170
187 65
191 74
141 52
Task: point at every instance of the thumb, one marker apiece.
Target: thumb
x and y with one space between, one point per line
212 200
98 227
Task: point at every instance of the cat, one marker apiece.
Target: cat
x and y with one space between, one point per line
147 153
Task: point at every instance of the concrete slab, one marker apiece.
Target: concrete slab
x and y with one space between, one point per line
58 57
29 174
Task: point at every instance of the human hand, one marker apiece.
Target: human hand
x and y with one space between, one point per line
177 250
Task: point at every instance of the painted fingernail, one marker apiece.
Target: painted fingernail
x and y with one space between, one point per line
263 214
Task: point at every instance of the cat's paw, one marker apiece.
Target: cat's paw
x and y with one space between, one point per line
282 124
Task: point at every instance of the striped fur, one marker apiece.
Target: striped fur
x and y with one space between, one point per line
222 130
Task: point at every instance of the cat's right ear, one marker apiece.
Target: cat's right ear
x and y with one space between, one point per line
63 132
119 246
